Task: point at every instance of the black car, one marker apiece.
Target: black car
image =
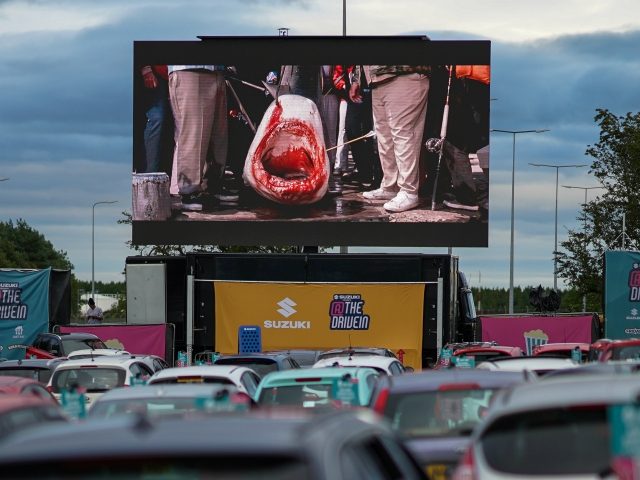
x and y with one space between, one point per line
349 445
62 344
303 357
36 368
261 363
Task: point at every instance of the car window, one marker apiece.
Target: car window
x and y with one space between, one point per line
631 352
437 413
158 365
96 379
371 381
140 370
21 372
572 442
192 379
396 368
261 366
249 383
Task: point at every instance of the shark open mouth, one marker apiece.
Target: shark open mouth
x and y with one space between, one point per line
287 161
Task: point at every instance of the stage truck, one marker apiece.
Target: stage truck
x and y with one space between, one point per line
412 304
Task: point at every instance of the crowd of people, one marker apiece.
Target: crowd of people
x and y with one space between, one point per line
382 114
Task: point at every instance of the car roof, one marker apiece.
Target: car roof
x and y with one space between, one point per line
358 360
11 401
7 381
74 335
568 391
42 363
260 433
550 347
432 379
325 373
486 348
201 370
380 351
97 352
165 390
257 355
100 361
527 363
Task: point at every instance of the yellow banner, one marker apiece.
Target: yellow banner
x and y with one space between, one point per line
322 316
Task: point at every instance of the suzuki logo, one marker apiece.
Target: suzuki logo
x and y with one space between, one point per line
287 307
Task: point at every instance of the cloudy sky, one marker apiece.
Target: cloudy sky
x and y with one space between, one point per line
65 105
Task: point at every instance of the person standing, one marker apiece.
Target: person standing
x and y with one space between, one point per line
94 313
157 112
399 104
199 102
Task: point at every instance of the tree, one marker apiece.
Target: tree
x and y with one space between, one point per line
21 246
616 166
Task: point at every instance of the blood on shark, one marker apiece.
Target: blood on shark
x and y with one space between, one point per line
287 161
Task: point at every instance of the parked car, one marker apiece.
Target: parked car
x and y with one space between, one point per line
95 352
162 400
385 365
617 349
613 367
435 412
540 366
27 387
556 428
480 351
20 412
315 387
97 375
35 368
243 378
353 351
562 349
261 363
304 358
343 445
50 345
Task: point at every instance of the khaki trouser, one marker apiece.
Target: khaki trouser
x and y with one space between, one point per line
399 111
199 103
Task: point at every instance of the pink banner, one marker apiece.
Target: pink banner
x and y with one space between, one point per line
527 332
138 339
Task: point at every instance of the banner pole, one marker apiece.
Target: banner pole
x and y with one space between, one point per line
189 319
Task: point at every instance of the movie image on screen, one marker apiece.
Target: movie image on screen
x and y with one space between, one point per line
260 141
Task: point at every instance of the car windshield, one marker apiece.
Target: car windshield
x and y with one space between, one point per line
72 344
482 356
447 413
631 352
94 379
193 379
40 374
301 395
571 442
261 366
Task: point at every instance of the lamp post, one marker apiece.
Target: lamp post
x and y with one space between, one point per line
555 245
513 176
586 189
93 242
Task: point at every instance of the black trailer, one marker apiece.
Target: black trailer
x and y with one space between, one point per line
178 289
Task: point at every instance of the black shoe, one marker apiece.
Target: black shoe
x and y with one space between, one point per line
192 202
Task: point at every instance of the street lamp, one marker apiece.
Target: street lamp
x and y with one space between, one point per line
586 189
93 242
513 177
555 245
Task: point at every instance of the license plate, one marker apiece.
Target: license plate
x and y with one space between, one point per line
437 471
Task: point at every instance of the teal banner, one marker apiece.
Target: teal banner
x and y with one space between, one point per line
622 294
24 310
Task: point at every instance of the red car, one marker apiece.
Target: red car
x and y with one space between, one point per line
25 387
604 350
481 351
562 350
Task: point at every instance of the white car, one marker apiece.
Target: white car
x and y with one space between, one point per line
538 365
96 352
245 379
386 365
94 376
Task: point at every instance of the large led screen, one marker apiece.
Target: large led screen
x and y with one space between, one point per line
328 141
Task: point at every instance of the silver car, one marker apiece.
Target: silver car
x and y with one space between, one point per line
558 428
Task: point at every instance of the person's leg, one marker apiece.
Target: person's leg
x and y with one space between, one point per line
193 116
462 182
380 110
218 134
156 125
343 150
